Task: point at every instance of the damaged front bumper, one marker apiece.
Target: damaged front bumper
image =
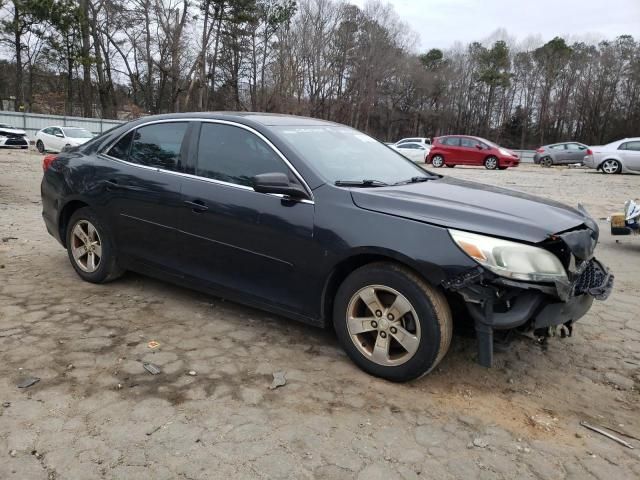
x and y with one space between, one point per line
497 303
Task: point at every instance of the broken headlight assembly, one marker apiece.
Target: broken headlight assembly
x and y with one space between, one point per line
513 260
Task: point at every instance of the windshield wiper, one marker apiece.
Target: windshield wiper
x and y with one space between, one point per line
360 183
414 180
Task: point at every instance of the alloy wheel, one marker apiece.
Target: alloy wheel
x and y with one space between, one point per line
86 246
383 325
437 161
491 163
610 166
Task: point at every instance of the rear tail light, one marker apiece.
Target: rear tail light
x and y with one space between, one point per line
589 152
540 150
47 161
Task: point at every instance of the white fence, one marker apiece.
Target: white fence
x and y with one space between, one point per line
32 122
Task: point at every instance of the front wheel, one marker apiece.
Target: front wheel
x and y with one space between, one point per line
611 166
40 146
491 163
391 323
437 161
90 248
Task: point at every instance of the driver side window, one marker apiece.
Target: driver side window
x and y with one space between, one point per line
235 155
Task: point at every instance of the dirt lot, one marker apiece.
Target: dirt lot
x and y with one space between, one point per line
96 413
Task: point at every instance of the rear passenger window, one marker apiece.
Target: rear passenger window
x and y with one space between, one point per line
235 155
630 146
158 145
121 149
451 141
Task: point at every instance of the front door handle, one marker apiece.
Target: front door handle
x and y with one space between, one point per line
197 206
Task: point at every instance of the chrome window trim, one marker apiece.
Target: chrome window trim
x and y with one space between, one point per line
212 120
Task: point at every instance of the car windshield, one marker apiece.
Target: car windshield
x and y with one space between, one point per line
347 155
77 133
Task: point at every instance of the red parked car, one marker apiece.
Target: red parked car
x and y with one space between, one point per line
455 150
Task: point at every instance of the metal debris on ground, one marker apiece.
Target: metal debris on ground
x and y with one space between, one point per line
279 380
606 434
625 434
27 382
151 368
153 344
6 404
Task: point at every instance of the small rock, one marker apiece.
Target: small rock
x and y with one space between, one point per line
6 404
192 373
480 443
279 380
27 382
13 453
70 366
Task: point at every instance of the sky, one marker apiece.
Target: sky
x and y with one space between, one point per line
442 23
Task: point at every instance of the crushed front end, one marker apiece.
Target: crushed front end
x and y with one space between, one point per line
496 302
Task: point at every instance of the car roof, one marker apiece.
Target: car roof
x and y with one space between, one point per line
265 119
466 136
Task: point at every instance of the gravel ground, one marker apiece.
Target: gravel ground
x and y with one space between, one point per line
96 413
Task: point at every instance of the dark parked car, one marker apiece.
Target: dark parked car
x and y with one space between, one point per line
560 154
321 223
455 150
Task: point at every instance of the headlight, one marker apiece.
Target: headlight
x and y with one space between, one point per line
511 259
505 152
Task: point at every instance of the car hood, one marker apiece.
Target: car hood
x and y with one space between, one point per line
13 131
474 207
78 141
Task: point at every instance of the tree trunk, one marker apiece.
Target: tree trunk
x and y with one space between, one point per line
17 31
86 60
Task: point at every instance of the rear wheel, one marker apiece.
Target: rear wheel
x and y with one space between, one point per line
491 163
40 146
611 166
90 248
391 323
437 161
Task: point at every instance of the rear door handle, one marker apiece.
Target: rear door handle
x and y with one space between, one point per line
198 206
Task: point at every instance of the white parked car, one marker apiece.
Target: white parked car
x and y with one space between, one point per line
55 139
422 140
622 156
418 152
13 137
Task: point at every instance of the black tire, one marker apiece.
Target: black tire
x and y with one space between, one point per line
437 161
491 163
40 146
546 162
107 268
433 319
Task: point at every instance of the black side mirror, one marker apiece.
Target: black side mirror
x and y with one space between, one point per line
278 183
